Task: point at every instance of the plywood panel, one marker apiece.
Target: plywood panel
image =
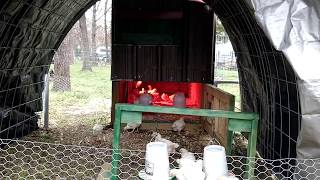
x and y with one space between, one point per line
215 98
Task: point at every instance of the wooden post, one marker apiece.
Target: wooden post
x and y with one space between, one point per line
119 95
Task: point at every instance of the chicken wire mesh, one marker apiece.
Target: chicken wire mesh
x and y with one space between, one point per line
37 160
33 31
19 100
267 81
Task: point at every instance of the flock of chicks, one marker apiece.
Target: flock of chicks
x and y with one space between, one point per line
189 167
152 92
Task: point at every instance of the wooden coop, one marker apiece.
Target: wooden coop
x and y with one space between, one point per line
167 46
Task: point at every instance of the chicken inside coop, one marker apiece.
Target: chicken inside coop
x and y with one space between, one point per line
175 94
172 94
167 93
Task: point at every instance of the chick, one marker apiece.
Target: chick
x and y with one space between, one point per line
193 174
178 125
132 126
170 145
177 173
199 165
97 129
105 171
165 97
185 154
190 169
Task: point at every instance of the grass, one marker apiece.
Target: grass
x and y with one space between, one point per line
234 90
72 114
231 75
83 106
227 74
84 86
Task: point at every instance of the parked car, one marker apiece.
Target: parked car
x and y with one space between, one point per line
103 54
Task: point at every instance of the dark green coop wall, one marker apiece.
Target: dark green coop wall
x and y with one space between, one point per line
268 82
30 32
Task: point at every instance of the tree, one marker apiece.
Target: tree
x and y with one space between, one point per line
74 41
62 59
93 32
219 27
106 10
85 52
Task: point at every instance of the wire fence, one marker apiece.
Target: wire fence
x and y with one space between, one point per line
37 160
20 100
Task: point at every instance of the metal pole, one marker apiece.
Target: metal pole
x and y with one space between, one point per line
46 102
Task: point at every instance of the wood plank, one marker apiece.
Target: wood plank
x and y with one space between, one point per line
217 99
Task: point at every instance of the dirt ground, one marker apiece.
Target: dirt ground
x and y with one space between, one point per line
74 126
137 140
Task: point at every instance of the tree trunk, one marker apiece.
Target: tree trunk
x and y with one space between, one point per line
85 51
106 9
61 81
73 41
93 33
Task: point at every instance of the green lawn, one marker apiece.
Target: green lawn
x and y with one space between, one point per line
85 85
88 100
227 74
230 88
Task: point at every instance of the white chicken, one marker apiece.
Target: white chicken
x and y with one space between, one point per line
170 145
178 125
142 91
132 126
177 173
190 169
151 90
199 165
185 154
193 174
97 129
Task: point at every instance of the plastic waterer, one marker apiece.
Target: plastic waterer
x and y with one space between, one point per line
157 161
215 162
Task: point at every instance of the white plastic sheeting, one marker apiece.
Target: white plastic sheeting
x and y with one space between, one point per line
293 26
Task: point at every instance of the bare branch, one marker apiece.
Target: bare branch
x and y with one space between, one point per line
106 12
